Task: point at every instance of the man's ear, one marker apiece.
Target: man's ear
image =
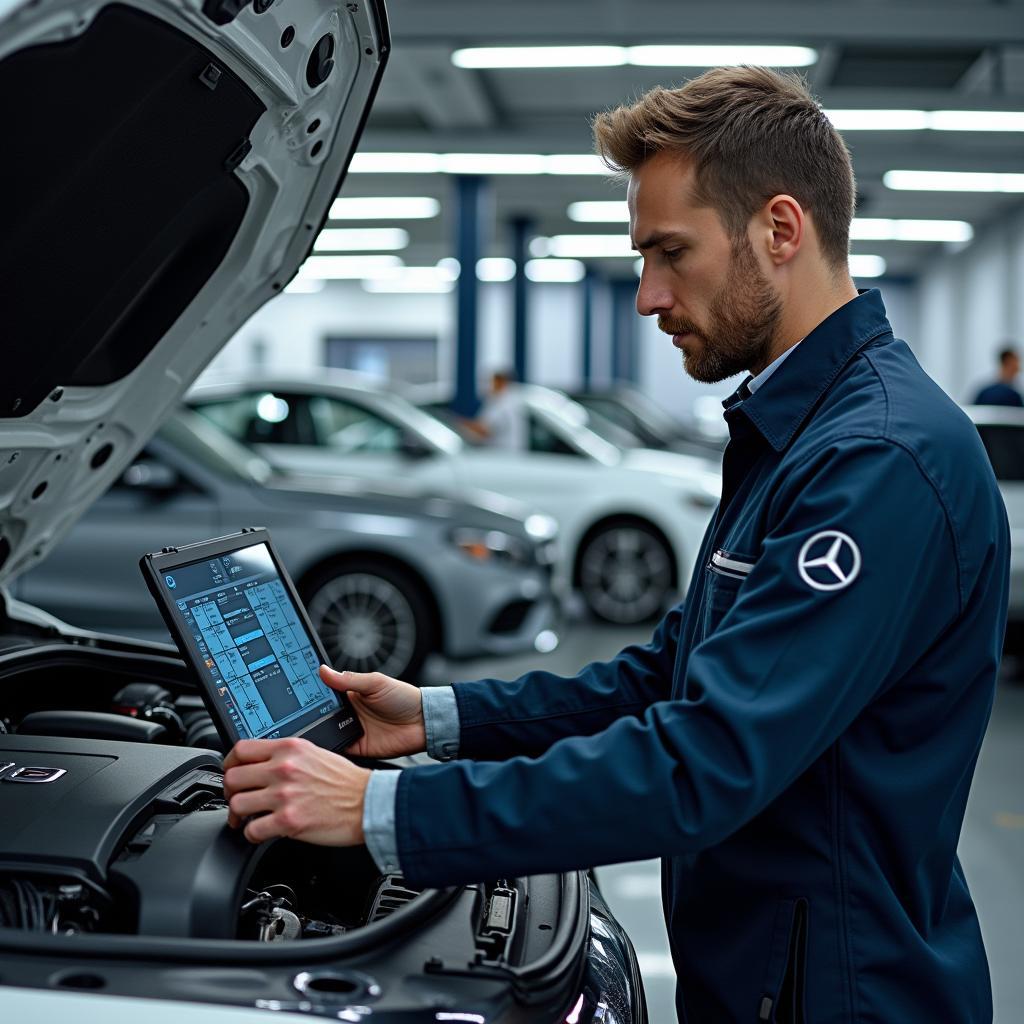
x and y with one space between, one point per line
784 222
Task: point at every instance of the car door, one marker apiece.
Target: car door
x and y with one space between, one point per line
333 435
1004 443
92 578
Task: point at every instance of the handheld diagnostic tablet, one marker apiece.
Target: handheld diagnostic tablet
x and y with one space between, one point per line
233 612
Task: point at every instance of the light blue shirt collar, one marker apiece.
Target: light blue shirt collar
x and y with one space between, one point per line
755 382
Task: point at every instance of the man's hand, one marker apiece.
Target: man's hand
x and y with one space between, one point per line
298 789
391 712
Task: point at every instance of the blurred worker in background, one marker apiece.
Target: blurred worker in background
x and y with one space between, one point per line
1003 391
501 422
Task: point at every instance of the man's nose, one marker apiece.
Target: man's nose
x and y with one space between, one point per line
652 297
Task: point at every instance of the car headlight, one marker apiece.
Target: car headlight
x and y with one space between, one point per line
492 546
706 494
541 527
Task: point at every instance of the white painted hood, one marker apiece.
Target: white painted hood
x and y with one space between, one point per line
168 165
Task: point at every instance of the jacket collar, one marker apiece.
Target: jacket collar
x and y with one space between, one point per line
779 408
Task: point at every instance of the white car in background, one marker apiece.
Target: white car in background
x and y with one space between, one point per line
1002 432
630 520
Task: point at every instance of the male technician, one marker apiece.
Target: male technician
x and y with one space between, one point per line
798 738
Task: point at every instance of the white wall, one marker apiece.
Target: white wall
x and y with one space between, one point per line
971 304
291 329
290 332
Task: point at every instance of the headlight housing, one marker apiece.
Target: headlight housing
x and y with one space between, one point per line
706 494
541 527
493 546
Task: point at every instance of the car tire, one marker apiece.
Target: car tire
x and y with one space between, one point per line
625 572
371 617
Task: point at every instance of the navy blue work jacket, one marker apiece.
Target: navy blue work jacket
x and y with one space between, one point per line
798 739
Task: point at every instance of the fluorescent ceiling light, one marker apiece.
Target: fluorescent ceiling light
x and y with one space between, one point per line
495 268
936 120
878 120
555 271
410 286
395 163
647 56
450 267
477 163
539 57
583 246
492 163
953 181
867 266
721 56
575 163
356 239
439 278
328 268
304 286
881 229
977 121
385 208
599 212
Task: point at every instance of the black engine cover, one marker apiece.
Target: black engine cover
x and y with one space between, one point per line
75 823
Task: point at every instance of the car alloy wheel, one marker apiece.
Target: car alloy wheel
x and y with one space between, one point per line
370 619
625 573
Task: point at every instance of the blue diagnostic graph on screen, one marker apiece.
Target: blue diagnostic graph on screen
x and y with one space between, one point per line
252 643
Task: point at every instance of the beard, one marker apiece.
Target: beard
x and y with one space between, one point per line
742 320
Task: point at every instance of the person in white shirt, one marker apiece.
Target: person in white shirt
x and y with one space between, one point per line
502 420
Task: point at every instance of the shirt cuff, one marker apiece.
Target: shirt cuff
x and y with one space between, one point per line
379 820
441 722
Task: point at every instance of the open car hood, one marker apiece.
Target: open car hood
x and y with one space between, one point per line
169 166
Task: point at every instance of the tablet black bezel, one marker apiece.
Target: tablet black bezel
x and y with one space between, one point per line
335 731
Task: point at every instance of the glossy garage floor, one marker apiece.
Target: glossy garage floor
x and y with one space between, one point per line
991 848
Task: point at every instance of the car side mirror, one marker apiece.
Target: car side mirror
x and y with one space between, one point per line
148 475
413 447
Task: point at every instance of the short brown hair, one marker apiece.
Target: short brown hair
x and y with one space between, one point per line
753 133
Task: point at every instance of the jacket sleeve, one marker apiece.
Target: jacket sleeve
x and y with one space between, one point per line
786 671
499 719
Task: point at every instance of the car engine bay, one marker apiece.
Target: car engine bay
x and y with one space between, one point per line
135 842
118 872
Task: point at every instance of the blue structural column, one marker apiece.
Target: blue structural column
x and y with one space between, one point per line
522 229
591 280
471 201
625 364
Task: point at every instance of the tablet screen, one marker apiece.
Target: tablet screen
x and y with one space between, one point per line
260 663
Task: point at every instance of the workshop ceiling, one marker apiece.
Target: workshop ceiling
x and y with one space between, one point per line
925 56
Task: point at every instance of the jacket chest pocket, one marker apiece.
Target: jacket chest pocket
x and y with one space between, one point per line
725 573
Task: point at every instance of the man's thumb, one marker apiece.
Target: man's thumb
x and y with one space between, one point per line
358 682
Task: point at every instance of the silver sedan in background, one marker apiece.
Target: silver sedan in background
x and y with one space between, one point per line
1002 432
388 573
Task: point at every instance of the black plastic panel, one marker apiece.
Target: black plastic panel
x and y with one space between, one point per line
120 202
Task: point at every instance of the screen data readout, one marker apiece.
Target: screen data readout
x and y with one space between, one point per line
251 641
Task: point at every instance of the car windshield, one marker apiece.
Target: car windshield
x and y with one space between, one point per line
611 432
200 439
1005 446
429 427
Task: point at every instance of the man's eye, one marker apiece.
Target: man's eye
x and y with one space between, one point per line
672 254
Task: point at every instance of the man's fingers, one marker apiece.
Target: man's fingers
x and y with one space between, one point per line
251 802
247 776
261 829
250 752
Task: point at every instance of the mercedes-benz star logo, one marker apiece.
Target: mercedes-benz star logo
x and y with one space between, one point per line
830 560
